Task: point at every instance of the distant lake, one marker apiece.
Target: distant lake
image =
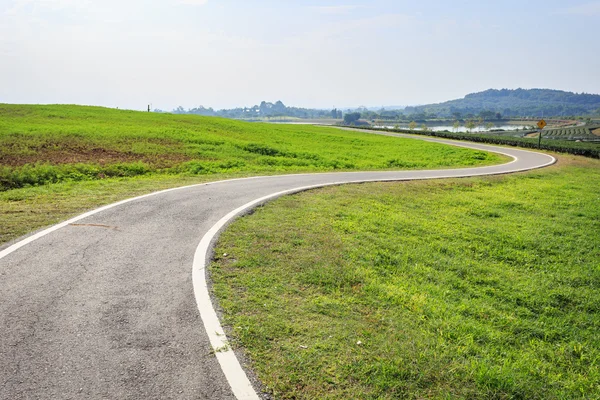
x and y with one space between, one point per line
461 128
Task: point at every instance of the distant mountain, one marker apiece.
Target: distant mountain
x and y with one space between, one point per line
515 103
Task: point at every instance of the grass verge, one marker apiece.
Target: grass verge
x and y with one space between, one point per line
28 209
471 288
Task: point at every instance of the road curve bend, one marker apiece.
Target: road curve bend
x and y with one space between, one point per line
104 305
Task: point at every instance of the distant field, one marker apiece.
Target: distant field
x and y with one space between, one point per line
480 288
58 161
49 144
559 144
571 133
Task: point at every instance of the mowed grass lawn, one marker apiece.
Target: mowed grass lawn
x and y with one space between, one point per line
470 288
57 161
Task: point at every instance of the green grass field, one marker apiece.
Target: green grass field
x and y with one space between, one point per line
50 144
59 161
472 288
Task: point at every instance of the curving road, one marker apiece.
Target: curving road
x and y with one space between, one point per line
113 304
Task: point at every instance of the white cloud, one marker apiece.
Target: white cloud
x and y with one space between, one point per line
587 9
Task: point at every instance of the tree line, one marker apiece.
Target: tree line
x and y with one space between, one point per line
489 105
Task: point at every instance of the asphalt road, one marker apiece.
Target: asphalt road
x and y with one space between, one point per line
104 307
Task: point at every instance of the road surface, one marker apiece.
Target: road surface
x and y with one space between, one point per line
106 306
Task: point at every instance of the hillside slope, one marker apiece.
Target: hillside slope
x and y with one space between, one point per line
518 102
49 144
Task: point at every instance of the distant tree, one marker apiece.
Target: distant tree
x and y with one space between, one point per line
487 115
334 113
264 108
457 115
420 116
279 108
498 116
351 118
470 125
456 125
412 125
370 115
424 128
489 126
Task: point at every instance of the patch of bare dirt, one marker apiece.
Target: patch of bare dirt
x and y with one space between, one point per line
55 154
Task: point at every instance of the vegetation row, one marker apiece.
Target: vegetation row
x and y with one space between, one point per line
573 133
587 149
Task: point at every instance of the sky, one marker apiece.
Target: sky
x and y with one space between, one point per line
315 54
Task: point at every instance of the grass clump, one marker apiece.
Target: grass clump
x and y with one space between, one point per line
57 143
471 288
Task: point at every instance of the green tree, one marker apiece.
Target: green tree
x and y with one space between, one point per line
487 114
489 126
412 125
470 125
424 128
351 118
456 125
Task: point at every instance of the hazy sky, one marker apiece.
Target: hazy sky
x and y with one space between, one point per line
226 53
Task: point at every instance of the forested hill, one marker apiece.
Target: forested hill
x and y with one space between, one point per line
518 102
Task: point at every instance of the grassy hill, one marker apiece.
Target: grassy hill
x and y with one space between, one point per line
519 102
49 144
57 161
